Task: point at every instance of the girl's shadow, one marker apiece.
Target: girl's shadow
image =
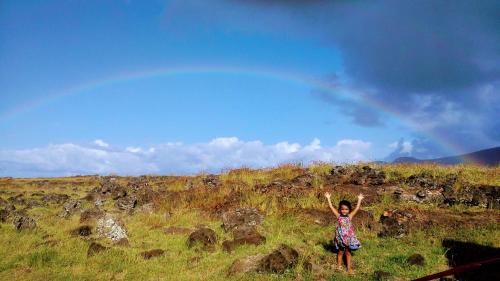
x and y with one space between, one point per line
329 246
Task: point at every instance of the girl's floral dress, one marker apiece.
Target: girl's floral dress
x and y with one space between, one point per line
344 234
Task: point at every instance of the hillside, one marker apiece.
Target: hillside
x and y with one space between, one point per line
269 224
490 157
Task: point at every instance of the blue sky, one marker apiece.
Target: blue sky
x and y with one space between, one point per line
209 119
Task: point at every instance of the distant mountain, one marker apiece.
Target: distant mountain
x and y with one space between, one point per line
488 157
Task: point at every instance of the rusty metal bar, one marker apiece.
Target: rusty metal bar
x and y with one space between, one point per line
458 269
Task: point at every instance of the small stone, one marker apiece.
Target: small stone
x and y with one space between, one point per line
83 230
95 248
416 259
152 254
421 194
380 275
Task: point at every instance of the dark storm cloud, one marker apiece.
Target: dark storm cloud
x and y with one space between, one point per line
359 113
437 62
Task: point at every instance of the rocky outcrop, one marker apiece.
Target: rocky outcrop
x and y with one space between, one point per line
55 198
111 228
238 217
395 223
23 222
69 208
367 176
484 196
126 203
211 181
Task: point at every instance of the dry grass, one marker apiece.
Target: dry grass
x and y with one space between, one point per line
51 253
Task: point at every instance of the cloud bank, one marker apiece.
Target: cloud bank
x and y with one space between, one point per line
172 158
435 62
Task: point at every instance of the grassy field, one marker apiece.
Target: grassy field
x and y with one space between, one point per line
50 252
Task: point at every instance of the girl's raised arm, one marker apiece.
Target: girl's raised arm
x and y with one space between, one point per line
358 206
327 195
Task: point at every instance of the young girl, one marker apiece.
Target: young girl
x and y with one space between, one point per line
345 239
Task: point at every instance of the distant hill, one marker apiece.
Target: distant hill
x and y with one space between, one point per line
488 157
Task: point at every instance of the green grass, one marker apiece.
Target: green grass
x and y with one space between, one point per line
50 253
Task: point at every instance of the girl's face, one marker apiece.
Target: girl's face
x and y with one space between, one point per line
344 210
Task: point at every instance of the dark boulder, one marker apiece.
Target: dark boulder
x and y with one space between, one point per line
279 260
416 259
205 237
243 235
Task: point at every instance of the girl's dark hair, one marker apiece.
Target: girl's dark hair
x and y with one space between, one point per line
345 203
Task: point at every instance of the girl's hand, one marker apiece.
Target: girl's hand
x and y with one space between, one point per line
327 195
361 196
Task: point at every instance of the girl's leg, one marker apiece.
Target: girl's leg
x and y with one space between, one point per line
340 256
349 260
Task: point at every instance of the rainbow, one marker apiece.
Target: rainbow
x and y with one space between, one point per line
301 78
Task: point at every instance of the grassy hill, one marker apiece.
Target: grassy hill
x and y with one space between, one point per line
446 214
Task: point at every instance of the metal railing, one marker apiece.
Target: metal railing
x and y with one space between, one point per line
459 269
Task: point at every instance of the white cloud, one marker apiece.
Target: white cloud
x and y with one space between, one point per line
101 143
172 158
